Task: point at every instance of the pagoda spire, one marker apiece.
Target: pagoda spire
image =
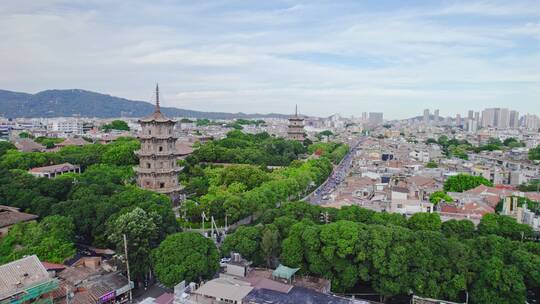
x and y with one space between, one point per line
157 98
296 110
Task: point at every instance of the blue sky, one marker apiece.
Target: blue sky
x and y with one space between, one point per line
346 57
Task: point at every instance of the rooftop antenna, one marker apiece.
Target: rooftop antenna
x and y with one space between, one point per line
157 98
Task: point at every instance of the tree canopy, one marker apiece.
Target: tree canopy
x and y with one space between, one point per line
534 153
51 240
438 196
118 125
255 149
397 256
185 256
464 182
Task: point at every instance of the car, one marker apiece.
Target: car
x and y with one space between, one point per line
224 261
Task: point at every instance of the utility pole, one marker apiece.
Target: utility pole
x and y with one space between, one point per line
127 267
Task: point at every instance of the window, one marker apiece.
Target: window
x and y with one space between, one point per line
148 165
161 164
147 183
162 185
149 132
160 148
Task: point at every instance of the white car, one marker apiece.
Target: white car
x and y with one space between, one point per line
224 261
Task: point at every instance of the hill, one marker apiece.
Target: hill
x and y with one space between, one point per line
66 103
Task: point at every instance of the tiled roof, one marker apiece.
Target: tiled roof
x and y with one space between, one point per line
21 274
11 216
54 168
28 145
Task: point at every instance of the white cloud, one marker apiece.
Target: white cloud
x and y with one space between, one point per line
212 56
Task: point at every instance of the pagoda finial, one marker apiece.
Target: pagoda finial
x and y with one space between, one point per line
296 110
157 98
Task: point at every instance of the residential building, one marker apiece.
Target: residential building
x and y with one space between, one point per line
376 118
54 170
25 281
10 216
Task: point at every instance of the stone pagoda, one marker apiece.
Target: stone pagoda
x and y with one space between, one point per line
158 170
296 127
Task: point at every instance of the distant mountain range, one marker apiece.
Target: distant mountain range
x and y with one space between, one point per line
66 103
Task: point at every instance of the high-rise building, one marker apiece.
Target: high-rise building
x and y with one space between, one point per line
296 127
458 120
477 116
496 118
426 115
470 114
514 119
472 125
436 116
531 122
364 116
158 170
376 117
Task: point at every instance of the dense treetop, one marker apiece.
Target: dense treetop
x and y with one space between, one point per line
256 149
118 125
464 182
395 255
185 256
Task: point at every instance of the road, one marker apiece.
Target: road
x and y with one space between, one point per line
340 172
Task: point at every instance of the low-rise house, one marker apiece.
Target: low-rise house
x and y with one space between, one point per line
89 280
409 206
55 170
28 145
10 216
24 281
73 141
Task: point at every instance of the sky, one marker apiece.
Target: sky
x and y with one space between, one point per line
347 57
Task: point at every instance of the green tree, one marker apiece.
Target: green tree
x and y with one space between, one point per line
463 229
51 240
512 142
246 241
464 182
438 196
141 233
25 135
498 283
534 153
270 246
121 152
5 146
432 164
504 226
185 256
425 221
119 125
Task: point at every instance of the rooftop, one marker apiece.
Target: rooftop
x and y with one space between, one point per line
20 275
54 168
11 216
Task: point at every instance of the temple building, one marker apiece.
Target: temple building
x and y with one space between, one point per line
296 127
158 170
